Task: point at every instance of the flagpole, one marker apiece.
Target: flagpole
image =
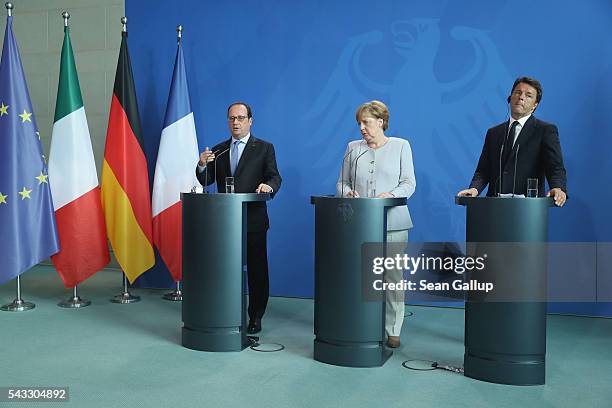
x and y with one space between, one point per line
18 305
138 256
176 295
179 35
75 302
125 297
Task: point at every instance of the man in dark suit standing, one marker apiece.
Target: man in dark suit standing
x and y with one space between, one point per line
521 148
252 163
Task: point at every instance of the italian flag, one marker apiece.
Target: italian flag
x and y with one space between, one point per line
74 182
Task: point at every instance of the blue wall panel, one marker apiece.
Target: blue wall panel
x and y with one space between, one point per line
444 68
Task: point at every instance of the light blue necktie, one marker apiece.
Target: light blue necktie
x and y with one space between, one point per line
234 159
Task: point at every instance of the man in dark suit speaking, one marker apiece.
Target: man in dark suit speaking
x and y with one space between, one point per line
252 163
521 148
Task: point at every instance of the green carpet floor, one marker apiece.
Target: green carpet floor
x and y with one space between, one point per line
113 355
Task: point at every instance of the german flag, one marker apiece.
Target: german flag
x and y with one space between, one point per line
126 200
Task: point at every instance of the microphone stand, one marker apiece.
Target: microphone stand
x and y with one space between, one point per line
501 155
215 164
355 174
206 183
515 161
205 178
342 169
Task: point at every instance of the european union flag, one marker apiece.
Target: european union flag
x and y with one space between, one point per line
27 222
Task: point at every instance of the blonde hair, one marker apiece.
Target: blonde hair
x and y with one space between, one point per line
376 109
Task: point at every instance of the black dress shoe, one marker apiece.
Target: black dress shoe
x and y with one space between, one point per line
254 326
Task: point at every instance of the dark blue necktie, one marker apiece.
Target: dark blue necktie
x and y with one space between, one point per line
509 143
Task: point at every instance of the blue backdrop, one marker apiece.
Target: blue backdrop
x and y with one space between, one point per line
444 68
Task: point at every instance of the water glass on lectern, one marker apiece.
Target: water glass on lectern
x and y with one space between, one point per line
532 187
229 185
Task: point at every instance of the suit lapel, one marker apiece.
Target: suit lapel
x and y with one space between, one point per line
224 159
503 131
246 153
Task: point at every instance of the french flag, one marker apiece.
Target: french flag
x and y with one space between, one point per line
174 170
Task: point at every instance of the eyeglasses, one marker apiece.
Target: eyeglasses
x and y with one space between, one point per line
238 118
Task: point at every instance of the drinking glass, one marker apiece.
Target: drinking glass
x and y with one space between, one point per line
229 185
532 187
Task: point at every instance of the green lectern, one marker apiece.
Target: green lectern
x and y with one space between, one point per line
505 341
349 330
214 259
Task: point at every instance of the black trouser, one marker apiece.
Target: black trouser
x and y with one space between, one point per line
257 271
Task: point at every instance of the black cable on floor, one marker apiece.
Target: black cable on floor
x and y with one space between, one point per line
280 347
255 344
430 365
419 365
253 341
408 314
452 369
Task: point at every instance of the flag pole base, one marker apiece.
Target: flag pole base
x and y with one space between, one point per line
175 296
125 298
18 305
75 302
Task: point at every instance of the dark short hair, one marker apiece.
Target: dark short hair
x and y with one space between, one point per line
531 82
248 108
